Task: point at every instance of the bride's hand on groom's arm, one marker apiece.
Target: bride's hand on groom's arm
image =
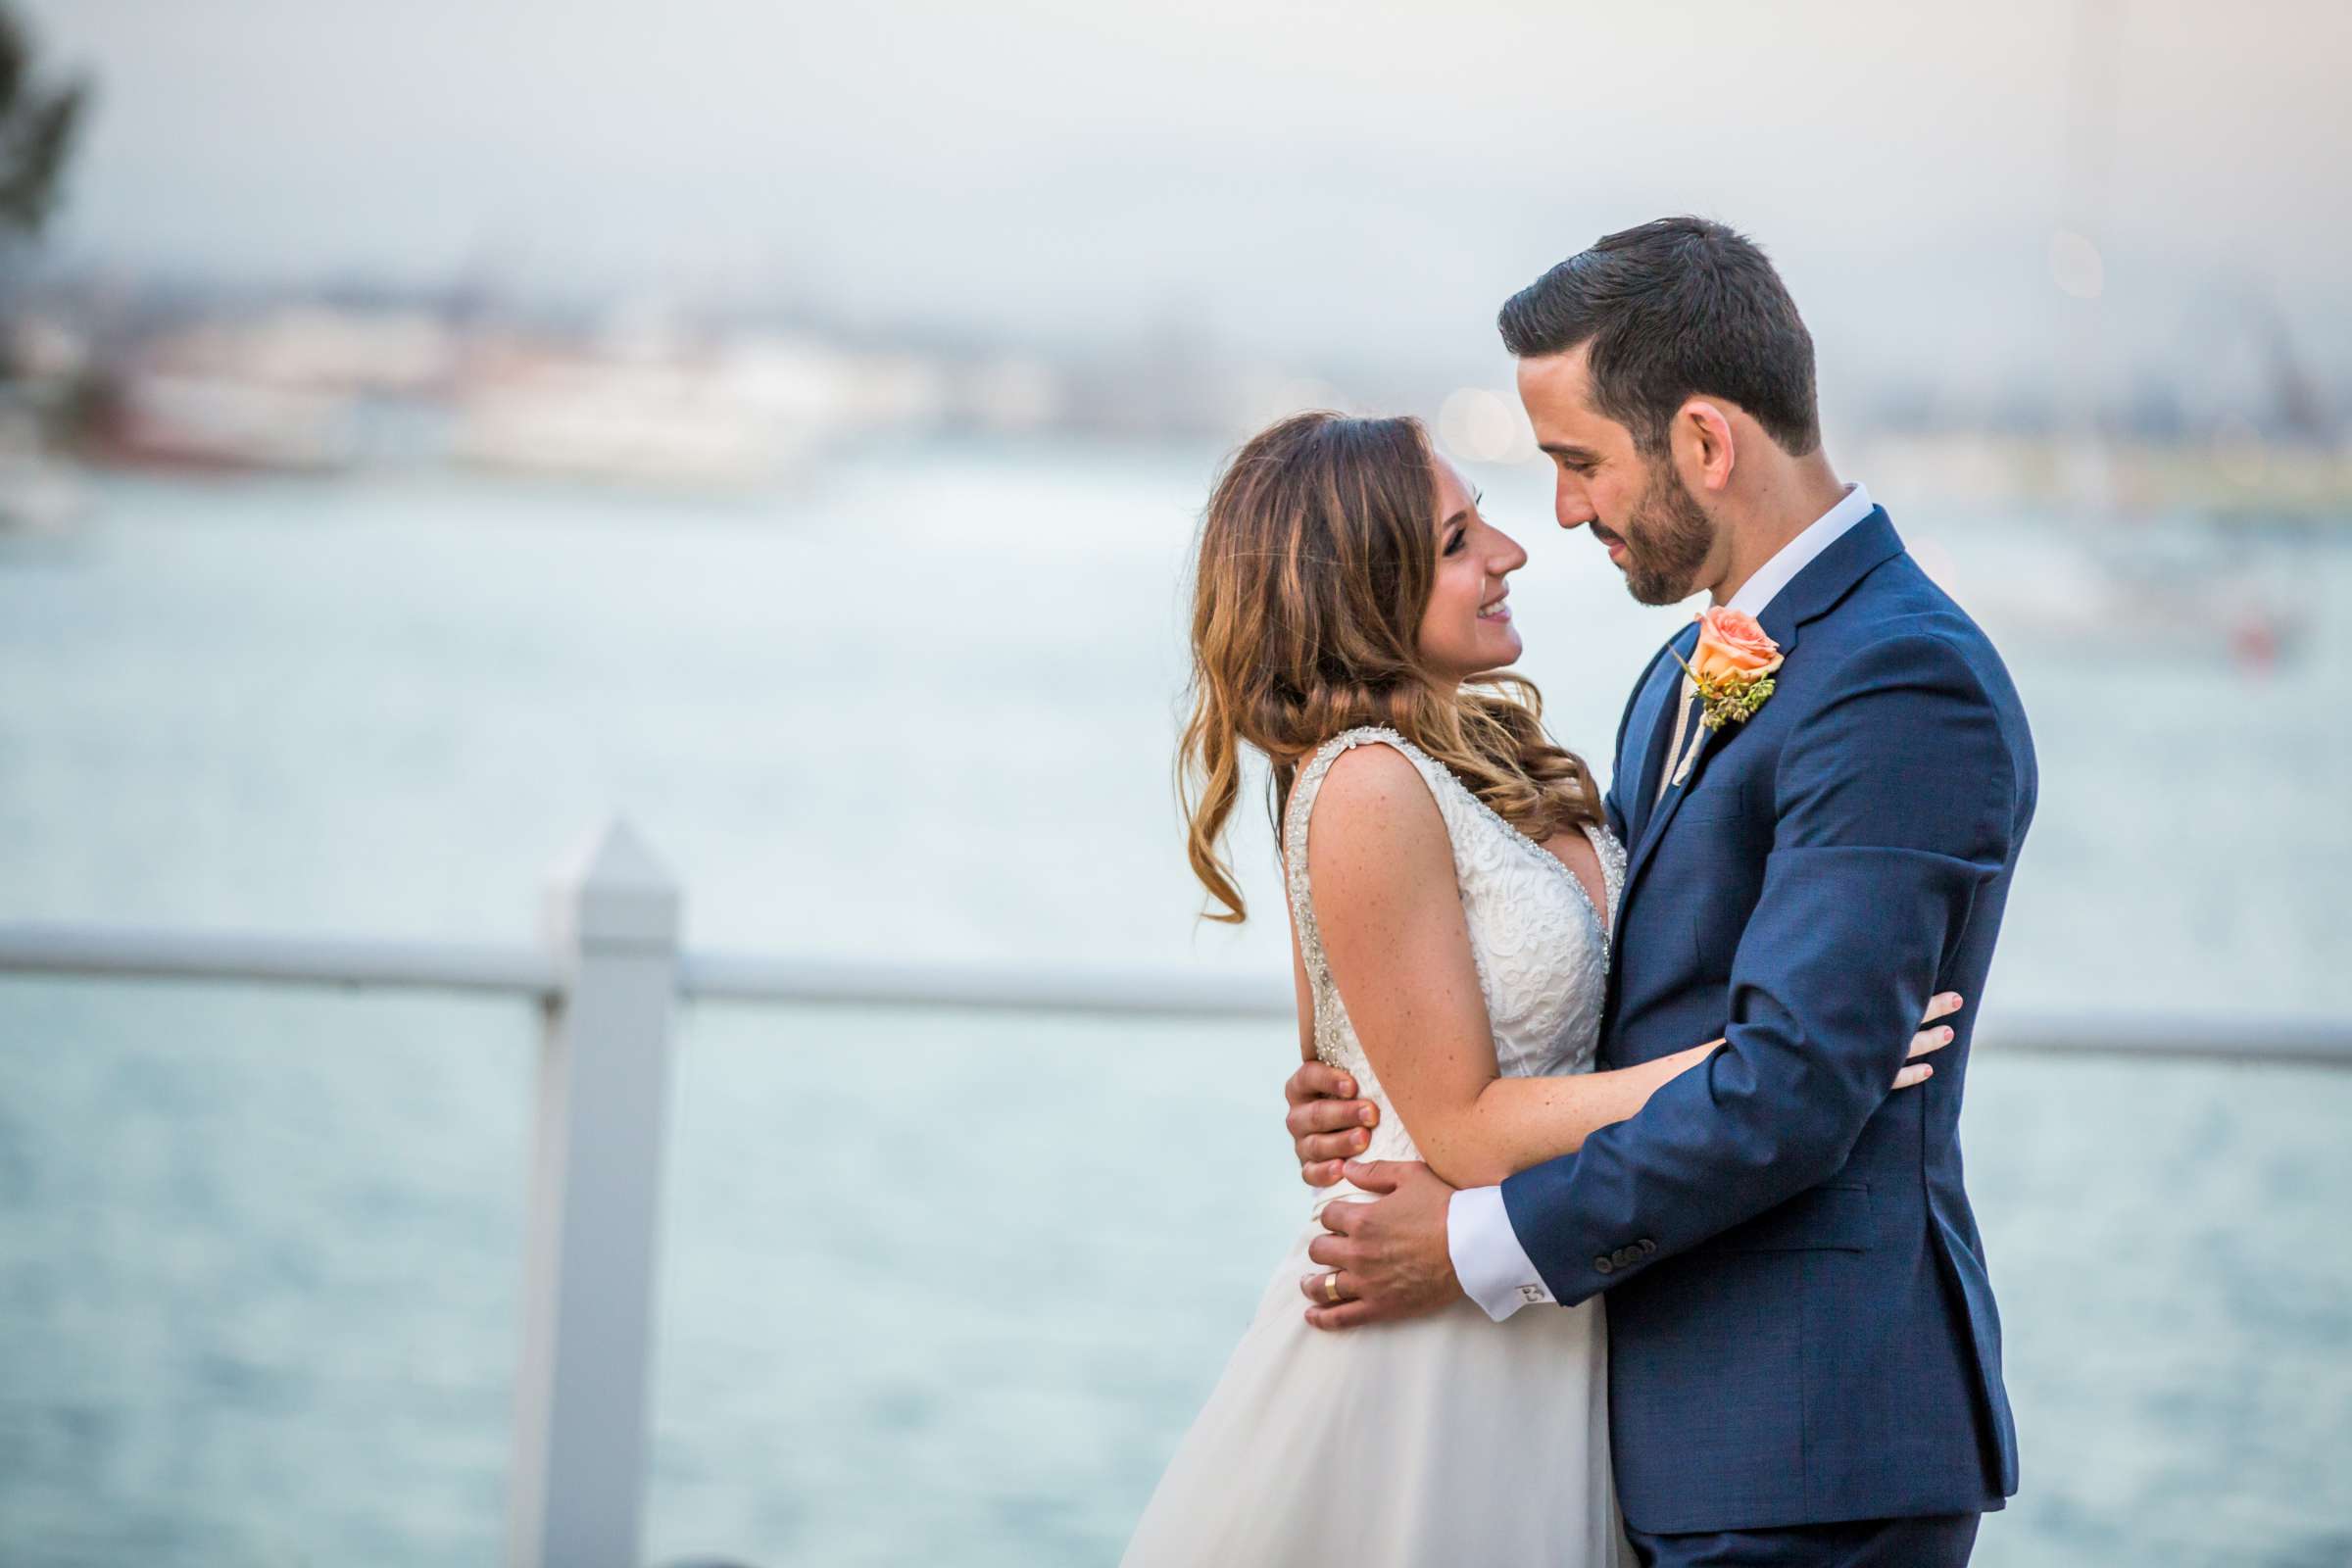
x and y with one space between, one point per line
1328 1124
1928 1040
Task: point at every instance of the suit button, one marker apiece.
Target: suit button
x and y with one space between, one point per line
1626 1255
1603 1264
1647 1246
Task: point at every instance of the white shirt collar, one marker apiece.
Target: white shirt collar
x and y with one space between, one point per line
1798 553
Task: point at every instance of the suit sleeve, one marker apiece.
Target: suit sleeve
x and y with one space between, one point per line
1896 800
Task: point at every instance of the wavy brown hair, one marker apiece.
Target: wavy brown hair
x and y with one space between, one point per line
1317 559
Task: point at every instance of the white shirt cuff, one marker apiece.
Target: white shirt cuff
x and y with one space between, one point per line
1487 1260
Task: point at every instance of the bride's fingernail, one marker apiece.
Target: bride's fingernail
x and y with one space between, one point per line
1370 1114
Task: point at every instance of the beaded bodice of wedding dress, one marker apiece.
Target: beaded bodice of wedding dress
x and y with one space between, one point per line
1540 947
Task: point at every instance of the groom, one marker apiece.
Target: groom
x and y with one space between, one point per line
1804 1358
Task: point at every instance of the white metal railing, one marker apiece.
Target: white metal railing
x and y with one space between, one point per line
609 975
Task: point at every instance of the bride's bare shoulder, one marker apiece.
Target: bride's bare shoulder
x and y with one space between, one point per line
1374 806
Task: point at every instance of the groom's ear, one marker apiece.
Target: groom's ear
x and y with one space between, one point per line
1703 448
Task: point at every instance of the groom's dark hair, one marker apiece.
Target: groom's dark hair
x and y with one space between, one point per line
1680 307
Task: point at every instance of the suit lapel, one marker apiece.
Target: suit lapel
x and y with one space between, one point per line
1653 728
1707 742
1809 595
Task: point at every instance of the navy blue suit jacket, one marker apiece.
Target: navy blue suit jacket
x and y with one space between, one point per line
1801 1329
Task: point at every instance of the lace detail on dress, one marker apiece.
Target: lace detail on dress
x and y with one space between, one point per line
1541 947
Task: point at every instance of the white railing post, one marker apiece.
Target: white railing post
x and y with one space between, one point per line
576 1497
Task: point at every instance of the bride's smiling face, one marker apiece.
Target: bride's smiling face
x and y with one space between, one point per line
1466 627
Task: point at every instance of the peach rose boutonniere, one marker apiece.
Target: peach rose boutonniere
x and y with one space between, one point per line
1732 670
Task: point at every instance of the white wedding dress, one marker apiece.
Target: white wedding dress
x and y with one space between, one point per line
1447 1439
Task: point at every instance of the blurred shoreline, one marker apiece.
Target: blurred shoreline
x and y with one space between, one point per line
669 395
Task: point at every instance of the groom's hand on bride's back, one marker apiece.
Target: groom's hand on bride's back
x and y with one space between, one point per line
1386 1258
1329 1125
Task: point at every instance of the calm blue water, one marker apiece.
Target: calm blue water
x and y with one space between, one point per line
948 1289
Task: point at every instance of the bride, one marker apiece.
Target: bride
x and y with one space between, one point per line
1452 883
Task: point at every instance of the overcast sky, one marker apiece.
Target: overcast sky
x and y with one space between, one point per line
1333 181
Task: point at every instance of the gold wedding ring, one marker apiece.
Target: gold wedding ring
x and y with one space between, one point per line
1331 1287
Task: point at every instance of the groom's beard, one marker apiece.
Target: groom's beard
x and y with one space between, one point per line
1667 540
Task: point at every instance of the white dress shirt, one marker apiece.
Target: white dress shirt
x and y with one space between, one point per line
1494 1268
